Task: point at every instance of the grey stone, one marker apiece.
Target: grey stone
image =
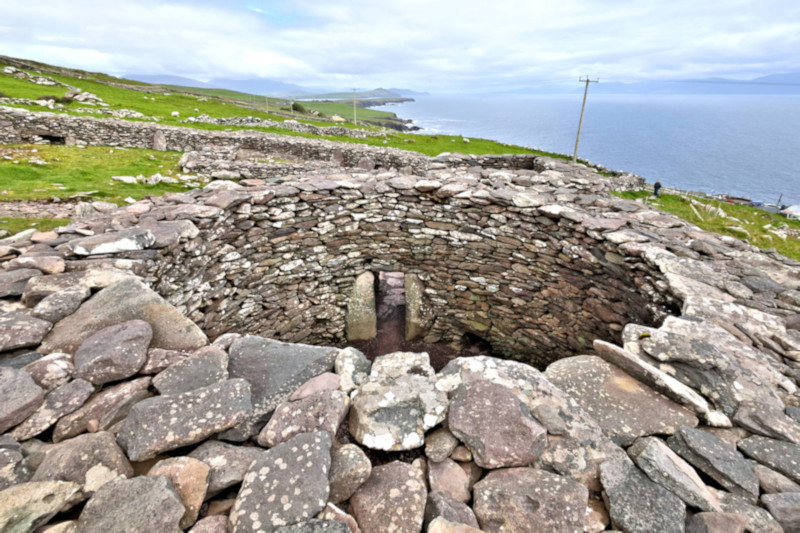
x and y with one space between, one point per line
58 402
361 318
94 278
20 397
113 353
664 467
392 499
758 519
273 495
781 456
189 478
126 300
350 468
228 463
768 420
636 504
51 370
624 407
447 476
159 360
527 499
47 264
111 243
785 508
211 524
89 460
716 523
142 504
495 425
323 411
161 424
353 368
102 410
716 459
18 330
440 444
315 526
61 304
13 282
27 506
324 382
13 469
205 367
773 482
275 369
445 506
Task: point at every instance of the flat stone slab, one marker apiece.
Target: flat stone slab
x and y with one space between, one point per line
624 407
392 499
527 499
495 425
90 460
781 456
636 504
164 423
127 240
58 402
113 353
51 371
129 299
61 304
13 282
785 508
228 463
204 367
286 485
716 459
139 504
27 506
18 330
323 411
20 397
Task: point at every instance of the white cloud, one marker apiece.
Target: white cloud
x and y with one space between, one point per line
422 44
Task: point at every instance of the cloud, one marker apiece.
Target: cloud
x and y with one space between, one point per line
440 45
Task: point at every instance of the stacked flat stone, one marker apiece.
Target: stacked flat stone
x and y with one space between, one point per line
113 399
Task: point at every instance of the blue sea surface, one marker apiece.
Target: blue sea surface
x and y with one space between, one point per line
745 146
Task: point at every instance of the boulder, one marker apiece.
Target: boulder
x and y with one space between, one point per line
228 463
61 304
113 353
636 504
323 411
785 508
440 444
189 478
527 499
443 506
392 499
126 300
163 423
146 504
27 506
273 495
350 468
353 367
624 407
496 426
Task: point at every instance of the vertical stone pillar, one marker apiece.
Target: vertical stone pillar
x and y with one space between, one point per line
418 316
361 321
159 141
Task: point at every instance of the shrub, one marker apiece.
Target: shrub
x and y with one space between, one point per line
298 107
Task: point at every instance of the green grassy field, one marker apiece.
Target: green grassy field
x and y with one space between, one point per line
758 227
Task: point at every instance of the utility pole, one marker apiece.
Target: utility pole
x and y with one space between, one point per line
355 118
266 99
580 123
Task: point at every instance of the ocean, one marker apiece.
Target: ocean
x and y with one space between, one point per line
741 145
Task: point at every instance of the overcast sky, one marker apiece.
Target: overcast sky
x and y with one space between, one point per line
425 45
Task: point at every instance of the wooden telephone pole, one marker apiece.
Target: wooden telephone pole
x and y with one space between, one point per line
580 123
355 117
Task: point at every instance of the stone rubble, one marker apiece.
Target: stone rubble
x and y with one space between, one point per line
676 344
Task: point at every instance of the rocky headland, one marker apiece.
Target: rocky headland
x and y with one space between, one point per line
172 364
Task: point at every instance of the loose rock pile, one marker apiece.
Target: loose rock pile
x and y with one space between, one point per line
118 414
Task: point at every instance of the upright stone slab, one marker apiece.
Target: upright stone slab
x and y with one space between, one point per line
286 485
164 423
361 321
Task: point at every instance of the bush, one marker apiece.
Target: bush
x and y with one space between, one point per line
298 107
66 99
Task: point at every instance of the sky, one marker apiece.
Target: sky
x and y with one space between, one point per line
435 46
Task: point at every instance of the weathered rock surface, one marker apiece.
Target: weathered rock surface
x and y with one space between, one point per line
12 283
392 499
205 367
716 523
146 504
624 407
778 455
350 468
189 478
717 460
20 397
526 499
273 495
126 300
164 423
495 425
443 506
51 371
18 330
228 463
785 508
323 411
26 506
113 353
636 504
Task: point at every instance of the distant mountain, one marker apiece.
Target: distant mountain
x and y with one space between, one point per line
165 79
262 86
407 92
788 83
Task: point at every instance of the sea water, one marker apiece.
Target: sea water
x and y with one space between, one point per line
747 146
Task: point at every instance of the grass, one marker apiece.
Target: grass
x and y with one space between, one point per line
756 226
71 170
15 225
